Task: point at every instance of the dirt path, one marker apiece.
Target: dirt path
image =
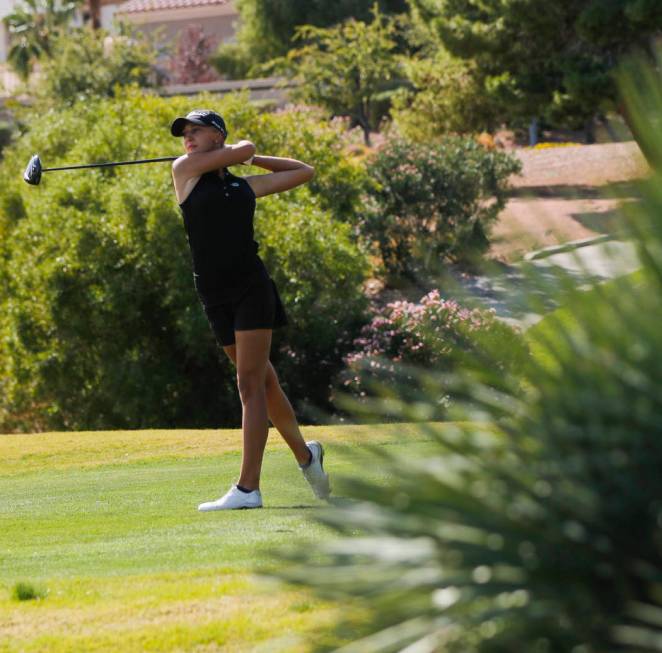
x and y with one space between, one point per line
564 194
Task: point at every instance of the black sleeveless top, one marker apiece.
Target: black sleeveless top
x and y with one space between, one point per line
218 218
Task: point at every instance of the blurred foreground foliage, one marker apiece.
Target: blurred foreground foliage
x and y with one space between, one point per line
535 521
99 323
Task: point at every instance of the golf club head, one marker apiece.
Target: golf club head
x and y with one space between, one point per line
32 173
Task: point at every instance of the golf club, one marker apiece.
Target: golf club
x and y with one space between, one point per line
34 169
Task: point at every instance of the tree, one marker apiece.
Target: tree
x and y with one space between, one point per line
191 62
545 59
447 95
33 27
347 69
93 13
268 27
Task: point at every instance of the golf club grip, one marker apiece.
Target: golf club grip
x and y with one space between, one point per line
112 163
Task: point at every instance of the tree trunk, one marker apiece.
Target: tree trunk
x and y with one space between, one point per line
363 121
94 10
533 132
589 132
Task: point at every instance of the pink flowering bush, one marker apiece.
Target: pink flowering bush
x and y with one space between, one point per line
436 334
191 62
434 202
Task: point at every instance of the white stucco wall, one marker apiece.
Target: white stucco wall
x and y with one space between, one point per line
107 13
5 9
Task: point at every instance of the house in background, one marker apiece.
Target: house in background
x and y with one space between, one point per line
6 77
218 18
105 9
102 9
195 25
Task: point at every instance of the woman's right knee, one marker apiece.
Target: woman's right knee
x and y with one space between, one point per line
250 384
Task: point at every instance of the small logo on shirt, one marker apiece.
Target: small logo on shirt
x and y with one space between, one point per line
234 184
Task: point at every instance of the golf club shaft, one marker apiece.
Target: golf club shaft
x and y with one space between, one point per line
112 163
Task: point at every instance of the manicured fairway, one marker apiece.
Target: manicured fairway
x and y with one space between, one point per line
105 525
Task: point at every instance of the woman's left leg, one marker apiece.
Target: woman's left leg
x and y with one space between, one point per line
252 351
279 410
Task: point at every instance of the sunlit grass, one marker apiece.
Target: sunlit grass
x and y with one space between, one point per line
104 525
23 453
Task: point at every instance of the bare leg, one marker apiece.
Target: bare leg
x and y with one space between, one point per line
282 417
280 411
252 357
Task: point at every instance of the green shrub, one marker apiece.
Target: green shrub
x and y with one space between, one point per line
434 202
99 323
535 524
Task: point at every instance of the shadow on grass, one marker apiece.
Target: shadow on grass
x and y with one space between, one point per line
613 190
603 222
301 507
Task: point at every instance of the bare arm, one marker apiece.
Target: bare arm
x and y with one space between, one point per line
197 163
285 174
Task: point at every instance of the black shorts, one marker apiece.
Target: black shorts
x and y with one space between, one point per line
259 307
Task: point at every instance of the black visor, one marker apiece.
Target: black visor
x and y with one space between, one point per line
204 117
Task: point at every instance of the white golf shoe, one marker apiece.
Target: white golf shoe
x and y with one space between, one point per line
234 499
314 472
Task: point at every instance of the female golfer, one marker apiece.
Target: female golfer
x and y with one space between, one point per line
240 299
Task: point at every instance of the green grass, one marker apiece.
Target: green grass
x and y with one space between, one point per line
100 533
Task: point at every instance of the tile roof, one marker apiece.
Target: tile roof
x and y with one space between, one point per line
135 6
